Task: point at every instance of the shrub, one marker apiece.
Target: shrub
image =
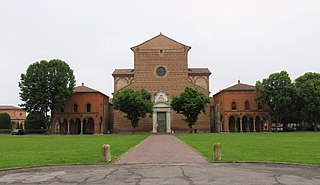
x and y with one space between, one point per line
35 120
5 121
5 131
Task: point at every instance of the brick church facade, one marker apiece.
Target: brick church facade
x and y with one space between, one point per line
161 68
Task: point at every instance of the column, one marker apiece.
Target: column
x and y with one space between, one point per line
168 121
68 123
254 125
81 126
154 122
241 126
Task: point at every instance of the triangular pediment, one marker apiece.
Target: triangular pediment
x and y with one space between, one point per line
161 42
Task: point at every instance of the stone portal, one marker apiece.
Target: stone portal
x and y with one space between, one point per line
161 114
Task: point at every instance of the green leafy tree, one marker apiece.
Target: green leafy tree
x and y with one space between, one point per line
135 104
35 120
308 87
190 103
5 121
45 87
280 94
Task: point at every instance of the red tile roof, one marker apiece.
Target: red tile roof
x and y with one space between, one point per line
9 107
83 89
121 72
240 87
197 71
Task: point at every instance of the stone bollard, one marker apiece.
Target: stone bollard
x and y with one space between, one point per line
106 156
217 152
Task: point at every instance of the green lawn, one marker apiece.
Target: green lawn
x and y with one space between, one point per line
294 147
33 150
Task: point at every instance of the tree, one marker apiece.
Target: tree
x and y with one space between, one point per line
5 121
308 87
46 87
190 103
135 104
35 120
280 94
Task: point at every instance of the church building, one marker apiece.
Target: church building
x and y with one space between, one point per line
161 68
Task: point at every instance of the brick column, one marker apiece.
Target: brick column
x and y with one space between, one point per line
68 123
81 126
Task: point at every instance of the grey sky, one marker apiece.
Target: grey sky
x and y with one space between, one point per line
246 40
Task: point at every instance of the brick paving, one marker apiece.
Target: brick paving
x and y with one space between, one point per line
161 149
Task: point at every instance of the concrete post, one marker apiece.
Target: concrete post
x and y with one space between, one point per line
106 156
217 152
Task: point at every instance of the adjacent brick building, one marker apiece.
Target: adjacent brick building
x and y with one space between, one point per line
17 115
236 110
88 111
161 68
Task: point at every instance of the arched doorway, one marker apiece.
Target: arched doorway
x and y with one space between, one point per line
64 127
245 126
78 126
251 124
258 124
88 126
72 127
232 124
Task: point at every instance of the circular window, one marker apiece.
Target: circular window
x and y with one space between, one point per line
161 71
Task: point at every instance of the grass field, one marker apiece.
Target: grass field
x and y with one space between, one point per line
33 150
294 147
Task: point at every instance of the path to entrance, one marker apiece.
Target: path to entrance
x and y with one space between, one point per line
162 149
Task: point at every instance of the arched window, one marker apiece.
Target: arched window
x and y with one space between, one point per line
88 106
260 107
246 105
75 107
233 106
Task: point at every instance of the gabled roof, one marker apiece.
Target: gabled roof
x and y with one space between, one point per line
123 72
160 42
238 88
85 89
9 107
198 71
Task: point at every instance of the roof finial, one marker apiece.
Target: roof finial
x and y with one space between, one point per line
160 33
82 84
239 81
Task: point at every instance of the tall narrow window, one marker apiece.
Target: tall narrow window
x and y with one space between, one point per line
260 107
88 107
246 105
75 107
61 110
233 106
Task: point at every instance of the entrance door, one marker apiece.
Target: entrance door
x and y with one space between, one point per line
162 121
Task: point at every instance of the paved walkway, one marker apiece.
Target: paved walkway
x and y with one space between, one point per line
180 174
161 149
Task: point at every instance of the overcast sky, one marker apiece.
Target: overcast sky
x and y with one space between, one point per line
235 39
